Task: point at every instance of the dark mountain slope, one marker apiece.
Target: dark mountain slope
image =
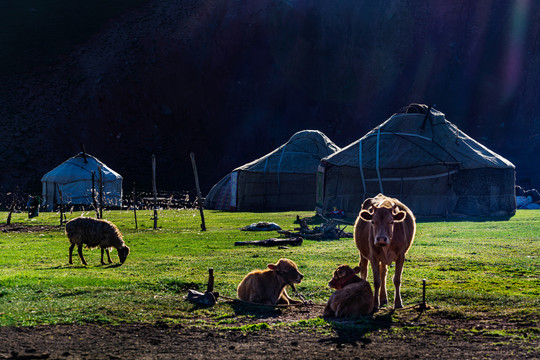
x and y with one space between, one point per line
232 80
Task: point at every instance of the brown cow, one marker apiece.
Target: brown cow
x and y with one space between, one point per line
384 232
353 296
269 286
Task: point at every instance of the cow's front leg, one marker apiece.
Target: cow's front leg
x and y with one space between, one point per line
363 267
376 283
384 295
397 282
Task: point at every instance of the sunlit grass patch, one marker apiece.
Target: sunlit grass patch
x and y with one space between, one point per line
472 269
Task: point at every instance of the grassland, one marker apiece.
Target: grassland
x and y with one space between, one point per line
474 269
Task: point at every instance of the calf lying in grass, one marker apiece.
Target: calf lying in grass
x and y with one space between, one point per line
353 296
95 233
269 286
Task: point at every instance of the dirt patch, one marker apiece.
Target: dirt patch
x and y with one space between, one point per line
22 228
409 336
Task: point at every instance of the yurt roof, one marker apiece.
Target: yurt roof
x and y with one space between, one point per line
80 167
300 154
414 140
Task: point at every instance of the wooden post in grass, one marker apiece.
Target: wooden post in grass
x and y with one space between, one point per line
155 190
134 206
199 197
11 208
61 206
94 195
100 192
210 285
424 307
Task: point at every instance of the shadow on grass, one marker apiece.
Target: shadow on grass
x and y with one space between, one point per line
112 266
355 331
255 310
80 266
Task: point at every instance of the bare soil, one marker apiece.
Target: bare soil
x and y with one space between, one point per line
407 334
23 228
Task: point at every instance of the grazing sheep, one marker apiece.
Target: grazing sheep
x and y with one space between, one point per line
95 233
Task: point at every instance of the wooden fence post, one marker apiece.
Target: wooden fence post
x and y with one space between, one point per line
199 197
94 195
11 208
134 206
155 190
61 206
100 192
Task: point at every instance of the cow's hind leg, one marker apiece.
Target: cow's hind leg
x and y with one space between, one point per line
384 272
71 253
397 283
79 250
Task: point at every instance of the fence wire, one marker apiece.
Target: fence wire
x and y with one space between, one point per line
144 200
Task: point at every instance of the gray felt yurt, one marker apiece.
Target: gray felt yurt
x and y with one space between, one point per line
281 180
74 179
423 160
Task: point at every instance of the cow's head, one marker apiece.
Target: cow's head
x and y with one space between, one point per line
382 221
343 276
288 270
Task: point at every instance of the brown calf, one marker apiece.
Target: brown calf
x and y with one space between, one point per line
269 286
384 232
353 296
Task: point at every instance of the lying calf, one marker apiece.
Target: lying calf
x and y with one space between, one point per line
269 286
353 296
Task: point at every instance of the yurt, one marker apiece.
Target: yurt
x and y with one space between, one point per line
281 180
74 180
423 160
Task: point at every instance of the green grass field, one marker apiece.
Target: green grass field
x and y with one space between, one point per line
473 268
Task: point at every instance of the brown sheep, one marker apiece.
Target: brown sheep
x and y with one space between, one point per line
95 233
269 286
353 297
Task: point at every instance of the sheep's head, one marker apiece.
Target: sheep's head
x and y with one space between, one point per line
123 253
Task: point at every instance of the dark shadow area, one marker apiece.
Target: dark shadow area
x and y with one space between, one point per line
356 331
66 266
258 311
112 266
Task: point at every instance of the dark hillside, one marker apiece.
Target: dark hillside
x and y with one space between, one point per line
231 80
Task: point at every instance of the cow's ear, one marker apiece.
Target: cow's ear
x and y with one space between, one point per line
366 215
272 267
400 216
356 269
366 204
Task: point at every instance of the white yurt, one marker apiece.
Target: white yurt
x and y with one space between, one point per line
75 179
